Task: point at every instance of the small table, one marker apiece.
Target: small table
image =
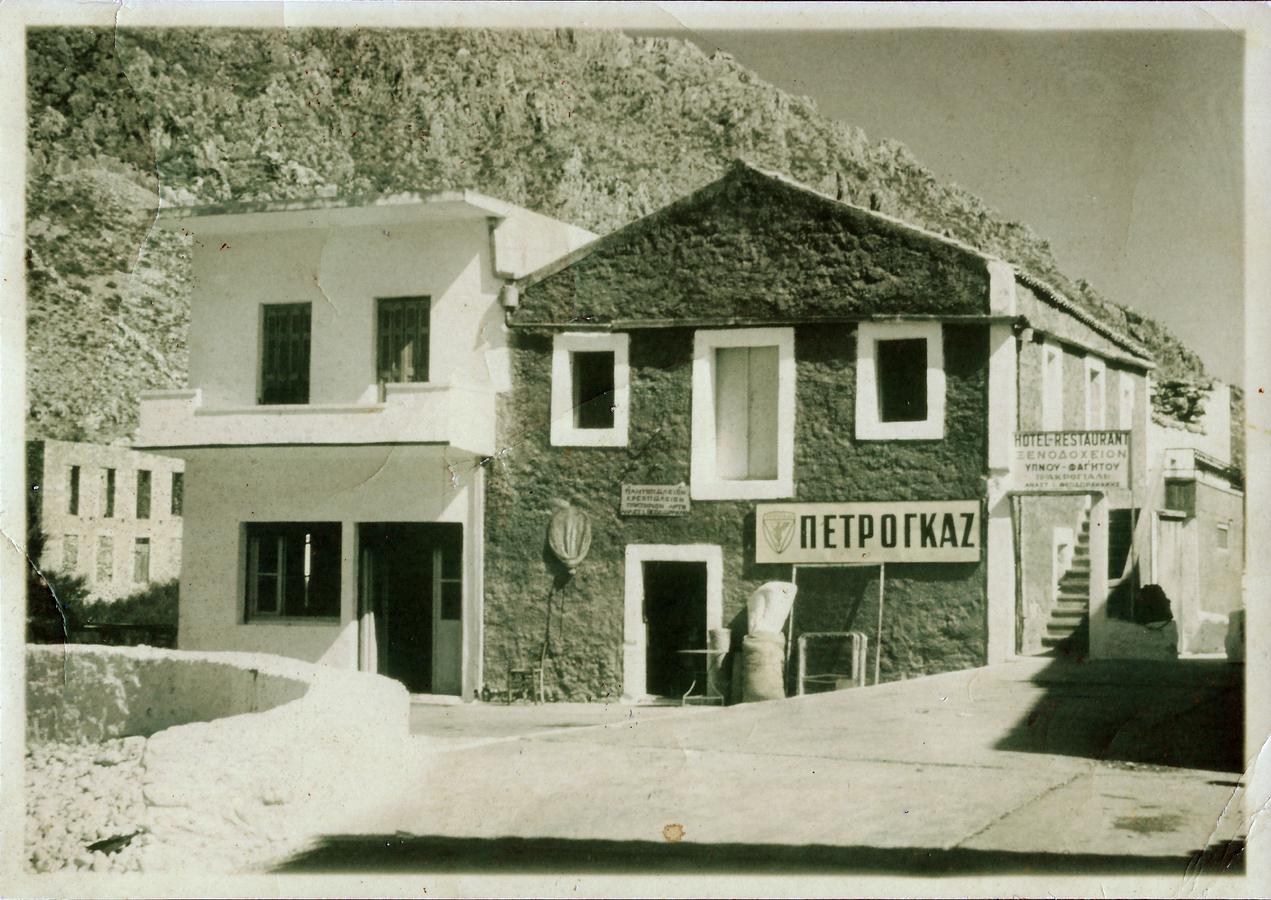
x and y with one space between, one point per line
708 696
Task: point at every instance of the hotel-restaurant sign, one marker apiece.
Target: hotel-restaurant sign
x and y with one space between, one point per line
919 531
1071 460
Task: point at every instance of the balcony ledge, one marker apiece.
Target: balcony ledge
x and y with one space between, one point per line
426 413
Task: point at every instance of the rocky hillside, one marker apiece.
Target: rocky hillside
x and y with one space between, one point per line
596 128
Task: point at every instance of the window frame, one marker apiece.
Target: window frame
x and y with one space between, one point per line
105 551
144 510
869 425
424 300
137 556
265 309
1126 388
704 482
176 494
1052 405
109 484
563 431
249 573
73 491
1092 365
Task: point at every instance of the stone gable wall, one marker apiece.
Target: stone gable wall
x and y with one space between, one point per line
752 247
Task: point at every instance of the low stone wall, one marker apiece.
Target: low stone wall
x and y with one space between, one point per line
247 755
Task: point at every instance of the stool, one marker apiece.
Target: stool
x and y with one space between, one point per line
525 683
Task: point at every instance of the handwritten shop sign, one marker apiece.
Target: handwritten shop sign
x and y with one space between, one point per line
926 531
1072 460
655 500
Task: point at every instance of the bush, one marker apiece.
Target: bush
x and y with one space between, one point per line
155 604
54 602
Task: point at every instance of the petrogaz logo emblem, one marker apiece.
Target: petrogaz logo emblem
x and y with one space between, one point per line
778 530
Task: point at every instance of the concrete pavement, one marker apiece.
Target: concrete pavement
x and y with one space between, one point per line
1035 764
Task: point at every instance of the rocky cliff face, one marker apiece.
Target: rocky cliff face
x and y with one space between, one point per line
595 128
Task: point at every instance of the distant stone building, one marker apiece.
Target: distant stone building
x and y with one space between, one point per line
109 513
1196 526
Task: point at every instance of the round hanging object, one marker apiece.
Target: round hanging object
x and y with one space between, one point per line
569 536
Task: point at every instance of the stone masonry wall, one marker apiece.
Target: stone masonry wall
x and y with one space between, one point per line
936 618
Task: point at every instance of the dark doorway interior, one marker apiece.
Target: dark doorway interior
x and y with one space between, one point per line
407 571
675 617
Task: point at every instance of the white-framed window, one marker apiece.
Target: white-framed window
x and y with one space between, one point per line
1096 393
1125 400
590 390
1052 387
743 414
900 384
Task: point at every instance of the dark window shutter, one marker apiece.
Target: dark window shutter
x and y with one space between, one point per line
401 339
284 370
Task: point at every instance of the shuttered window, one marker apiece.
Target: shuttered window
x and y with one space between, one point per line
402 339
746 413
284 363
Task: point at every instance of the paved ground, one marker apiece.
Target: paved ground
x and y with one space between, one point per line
458 726
1037 765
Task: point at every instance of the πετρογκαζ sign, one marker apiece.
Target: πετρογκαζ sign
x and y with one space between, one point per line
904 531
655 500
1071 460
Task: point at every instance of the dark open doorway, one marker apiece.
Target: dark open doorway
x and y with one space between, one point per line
675 620
410 603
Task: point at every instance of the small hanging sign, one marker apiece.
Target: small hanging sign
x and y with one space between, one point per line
655 500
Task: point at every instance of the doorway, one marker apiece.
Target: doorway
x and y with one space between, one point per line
673 596
675 621
410 603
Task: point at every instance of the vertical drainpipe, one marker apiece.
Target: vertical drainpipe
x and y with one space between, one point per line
1002 421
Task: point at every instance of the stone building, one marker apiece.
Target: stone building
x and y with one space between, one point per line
342 377
1196 526
108 513
771 349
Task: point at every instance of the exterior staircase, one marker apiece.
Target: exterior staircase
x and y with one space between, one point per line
1068 629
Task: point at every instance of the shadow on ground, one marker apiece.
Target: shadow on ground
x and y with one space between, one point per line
424 853
1187 713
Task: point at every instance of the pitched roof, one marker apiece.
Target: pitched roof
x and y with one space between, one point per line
740 168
